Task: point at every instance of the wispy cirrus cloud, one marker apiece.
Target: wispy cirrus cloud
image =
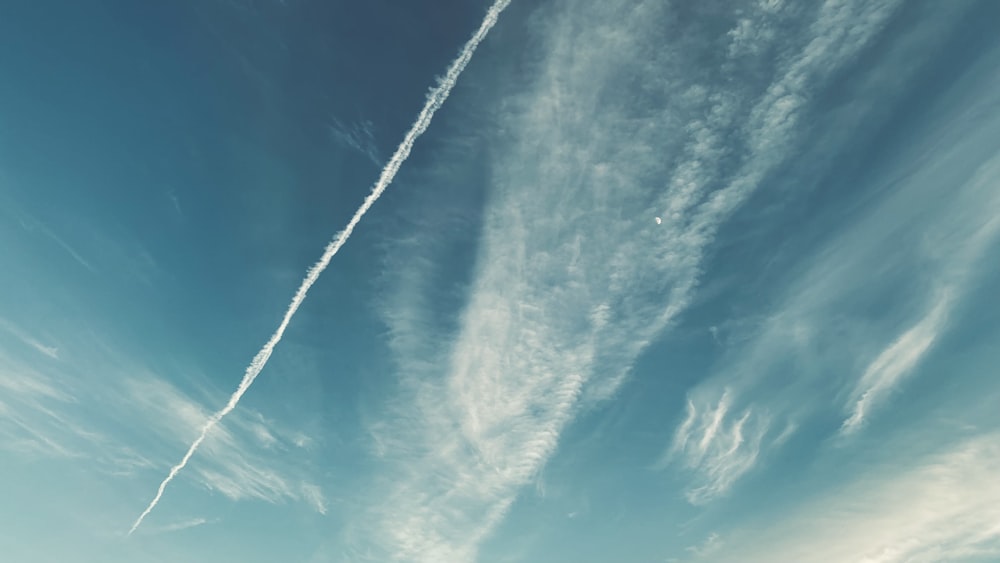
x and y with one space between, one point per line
98 410
970 231
29 405
899 358
359 136
33 225
435 99
183 525
574 276
842 337
20 334
711 544
943 507
239 460
718 445
314 496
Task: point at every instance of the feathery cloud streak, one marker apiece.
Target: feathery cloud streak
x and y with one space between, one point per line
50 351
943 507
918 245
63 411
184 525
719 451
900 357
973 228
435 100
575 277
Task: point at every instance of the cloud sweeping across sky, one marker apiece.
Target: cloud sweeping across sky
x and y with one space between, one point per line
718 445
573 277
435 99
945 208
50 416
942 508
958 245
663 281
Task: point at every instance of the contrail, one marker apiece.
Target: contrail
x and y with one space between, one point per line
435 99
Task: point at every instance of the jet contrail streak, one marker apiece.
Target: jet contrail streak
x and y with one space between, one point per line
435 99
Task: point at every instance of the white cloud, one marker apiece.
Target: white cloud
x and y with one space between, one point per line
23 435
718 445
711 545
30 402
917 246
24 382
955 241
46 350
435 99
232 461
183 525
100 411
573 280
888 369
359 137
33 225
314 496
944 507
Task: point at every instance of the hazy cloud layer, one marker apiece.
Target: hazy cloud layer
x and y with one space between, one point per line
870 304
574 277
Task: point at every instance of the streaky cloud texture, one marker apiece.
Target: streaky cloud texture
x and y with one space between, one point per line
944 508
940 197
435 99
687 281
718 445
573 279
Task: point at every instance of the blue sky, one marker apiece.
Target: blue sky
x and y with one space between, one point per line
661 282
